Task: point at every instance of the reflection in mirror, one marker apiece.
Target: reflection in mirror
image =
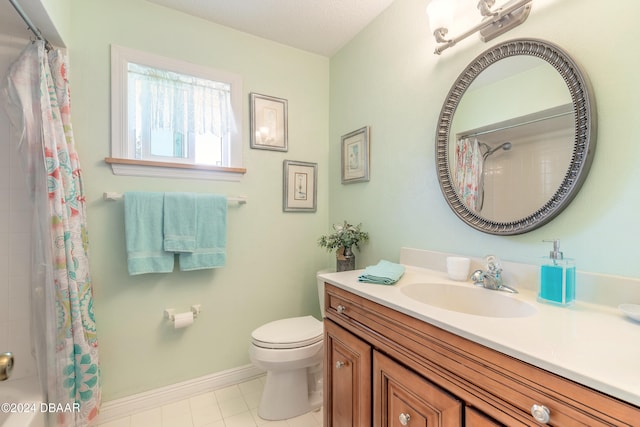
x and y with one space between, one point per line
511 149
526 132
521 166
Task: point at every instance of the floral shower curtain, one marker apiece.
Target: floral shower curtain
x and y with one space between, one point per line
468 171
66 343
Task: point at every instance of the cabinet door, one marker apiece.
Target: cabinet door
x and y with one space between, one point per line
347 382
475 418
403 398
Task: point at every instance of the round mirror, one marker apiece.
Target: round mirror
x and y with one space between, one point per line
515 137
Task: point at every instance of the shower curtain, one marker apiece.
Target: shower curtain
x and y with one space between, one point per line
468 171
66 343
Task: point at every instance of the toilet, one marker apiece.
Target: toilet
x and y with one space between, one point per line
291 351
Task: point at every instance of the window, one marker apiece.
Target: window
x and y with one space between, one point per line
174 119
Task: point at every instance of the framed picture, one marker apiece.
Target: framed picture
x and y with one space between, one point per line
269 124
355 156
300 186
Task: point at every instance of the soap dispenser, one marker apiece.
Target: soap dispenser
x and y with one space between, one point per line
557 278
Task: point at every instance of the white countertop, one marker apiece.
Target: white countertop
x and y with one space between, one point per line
594 345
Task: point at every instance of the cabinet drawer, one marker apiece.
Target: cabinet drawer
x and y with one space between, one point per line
498 385
338 305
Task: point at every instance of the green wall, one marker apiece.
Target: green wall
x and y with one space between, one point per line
389 78
272 255
528 92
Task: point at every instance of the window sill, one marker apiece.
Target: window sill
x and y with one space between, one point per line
135 167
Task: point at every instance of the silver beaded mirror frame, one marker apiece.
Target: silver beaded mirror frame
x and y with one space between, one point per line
584 135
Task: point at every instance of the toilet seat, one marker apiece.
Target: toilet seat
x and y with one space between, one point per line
294 332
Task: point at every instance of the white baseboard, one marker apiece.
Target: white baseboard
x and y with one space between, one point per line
140 402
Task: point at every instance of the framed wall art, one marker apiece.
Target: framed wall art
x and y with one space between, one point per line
300 186
269 123
355 156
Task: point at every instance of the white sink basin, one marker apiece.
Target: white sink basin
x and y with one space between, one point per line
476 301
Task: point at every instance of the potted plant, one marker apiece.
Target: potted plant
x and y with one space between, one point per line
342 240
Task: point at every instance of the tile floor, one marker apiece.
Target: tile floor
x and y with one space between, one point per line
234 406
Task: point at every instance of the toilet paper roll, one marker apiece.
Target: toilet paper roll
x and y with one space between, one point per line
182 320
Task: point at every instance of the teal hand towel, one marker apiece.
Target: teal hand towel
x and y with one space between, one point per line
179 222
143 220
211 234
383 273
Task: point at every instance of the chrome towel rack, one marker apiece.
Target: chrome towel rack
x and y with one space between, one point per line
112 196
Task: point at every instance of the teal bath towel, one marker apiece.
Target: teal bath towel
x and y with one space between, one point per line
211 234
383 273
143 220
179 222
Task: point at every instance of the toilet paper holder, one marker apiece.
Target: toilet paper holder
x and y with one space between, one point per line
170 313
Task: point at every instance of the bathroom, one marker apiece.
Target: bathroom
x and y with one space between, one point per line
387 78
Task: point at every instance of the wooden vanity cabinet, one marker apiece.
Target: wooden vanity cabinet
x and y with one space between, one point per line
400 366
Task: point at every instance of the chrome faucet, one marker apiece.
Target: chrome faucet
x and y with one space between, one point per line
492 278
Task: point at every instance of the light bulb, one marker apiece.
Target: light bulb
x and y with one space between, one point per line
440 13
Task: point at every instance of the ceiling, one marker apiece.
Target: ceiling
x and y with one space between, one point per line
318 26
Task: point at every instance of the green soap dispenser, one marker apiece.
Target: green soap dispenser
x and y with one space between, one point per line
557 278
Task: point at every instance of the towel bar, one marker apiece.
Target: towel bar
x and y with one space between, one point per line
111 196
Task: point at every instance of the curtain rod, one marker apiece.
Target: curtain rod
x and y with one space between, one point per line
30 24
529 122
551 113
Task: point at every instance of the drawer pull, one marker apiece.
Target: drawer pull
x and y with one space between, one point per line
404 419
341 309
540 413
340 364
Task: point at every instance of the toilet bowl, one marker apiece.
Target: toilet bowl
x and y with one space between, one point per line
291 351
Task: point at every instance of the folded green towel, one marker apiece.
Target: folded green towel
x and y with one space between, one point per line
179 222
211 234
383 273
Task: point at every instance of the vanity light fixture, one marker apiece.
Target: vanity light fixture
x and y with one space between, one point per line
493 24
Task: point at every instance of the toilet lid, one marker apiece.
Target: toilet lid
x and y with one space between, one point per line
288 333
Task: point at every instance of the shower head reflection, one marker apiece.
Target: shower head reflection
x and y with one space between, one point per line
506 146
